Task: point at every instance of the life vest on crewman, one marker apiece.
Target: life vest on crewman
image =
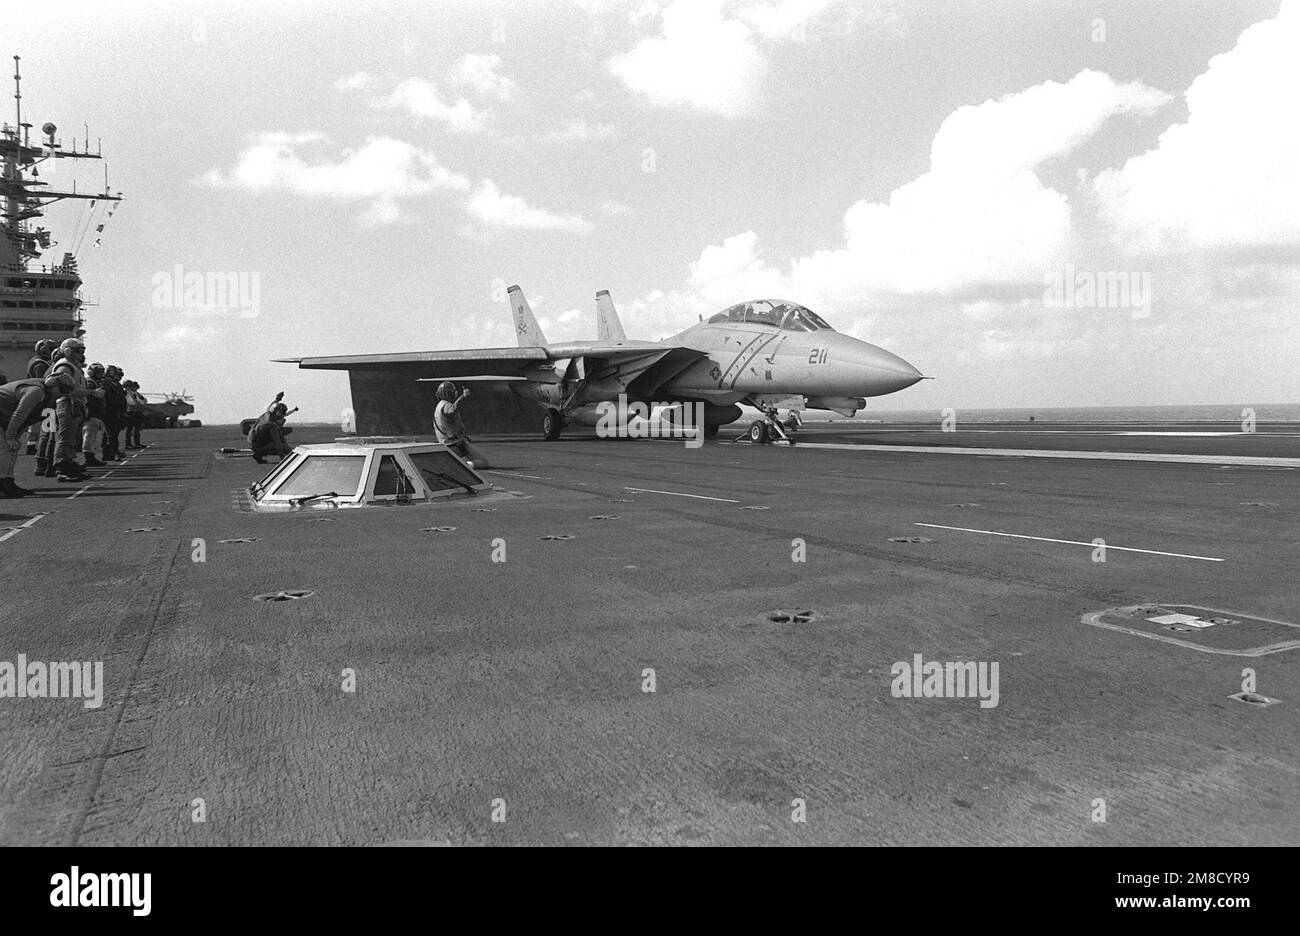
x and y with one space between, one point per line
73 371
448 424
260 433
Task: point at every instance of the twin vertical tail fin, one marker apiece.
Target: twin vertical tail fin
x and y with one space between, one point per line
608 326
527 331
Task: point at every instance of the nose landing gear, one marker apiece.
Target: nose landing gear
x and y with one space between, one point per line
770 429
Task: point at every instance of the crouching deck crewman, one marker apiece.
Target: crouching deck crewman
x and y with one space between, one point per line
22 404
267 435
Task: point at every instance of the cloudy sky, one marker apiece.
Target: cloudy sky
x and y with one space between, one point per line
921 174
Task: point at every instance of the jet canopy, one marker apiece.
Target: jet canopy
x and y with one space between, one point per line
789 316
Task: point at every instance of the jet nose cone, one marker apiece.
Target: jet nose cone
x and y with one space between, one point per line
889 371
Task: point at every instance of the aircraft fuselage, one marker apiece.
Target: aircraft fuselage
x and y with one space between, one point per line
721 363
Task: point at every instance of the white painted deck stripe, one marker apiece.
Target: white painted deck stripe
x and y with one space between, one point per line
1260 462
1046 539
725 500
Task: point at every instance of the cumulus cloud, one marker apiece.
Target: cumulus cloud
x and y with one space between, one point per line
979 218
981 215
701 60
382 172
480 73
707 60
968 241
1229 176
495 209
733 269
422 98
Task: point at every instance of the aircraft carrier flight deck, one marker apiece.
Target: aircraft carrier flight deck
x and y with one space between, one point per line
638 642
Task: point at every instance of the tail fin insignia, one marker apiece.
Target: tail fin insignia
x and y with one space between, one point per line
527 331
608 326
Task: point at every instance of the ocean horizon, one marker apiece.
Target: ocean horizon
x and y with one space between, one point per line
1206 413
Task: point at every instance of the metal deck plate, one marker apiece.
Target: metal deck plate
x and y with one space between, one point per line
1210 630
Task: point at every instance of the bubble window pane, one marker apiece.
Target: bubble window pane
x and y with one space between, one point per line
321 473
435 465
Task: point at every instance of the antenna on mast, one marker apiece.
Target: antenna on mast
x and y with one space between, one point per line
18 94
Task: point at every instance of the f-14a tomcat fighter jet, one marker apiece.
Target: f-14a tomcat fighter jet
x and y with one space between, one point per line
758 352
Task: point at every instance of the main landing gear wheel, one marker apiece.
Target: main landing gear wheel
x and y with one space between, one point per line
758 433
552 423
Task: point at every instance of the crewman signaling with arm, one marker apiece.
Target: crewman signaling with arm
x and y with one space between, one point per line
449 425
267 435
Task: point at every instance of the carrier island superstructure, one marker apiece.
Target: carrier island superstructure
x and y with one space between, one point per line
39 300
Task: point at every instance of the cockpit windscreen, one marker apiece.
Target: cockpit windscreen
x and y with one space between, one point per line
789 316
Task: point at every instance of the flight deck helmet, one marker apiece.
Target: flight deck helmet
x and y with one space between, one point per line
73 348
44 348
447 391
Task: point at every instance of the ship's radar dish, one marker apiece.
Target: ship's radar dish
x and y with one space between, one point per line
49 130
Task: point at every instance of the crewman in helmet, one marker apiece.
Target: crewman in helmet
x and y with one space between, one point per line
92 431
37 366
114 412
135 404
70 411
267 435
449 425
39 363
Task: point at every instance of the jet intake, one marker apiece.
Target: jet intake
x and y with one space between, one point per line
845 406
715 415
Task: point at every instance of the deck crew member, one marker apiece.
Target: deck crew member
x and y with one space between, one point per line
135 404
21 405
114 412
37 366
92 431
46 441
70 411
267 435
449 425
